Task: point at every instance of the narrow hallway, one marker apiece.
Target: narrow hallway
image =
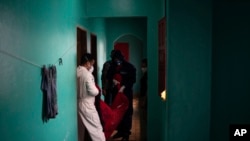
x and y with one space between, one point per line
138 126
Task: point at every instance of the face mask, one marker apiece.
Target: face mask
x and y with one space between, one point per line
91 69
143 70
118 62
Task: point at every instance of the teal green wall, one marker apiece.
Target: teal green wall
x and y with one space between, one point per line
118 27
97 26
231 77
156 107
40 32
189 37
128 8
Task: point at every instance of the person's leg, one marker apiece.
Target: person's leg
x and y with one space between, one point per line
108 97
92 122
124 128
126 123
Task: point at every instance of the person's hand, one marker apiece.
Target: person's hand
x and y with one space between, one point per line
99 89
116 82
121 89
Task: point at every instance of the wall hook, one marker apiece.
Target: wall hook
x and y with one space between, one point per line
60 61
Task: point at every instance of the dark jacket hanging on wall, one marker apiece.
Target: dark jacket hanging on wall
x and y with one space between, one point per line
48 87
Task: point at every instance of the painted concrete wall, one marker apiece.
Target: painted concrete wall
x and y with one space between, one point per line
128 8
97 26
36 33
231 77
189 37
118 27
42 32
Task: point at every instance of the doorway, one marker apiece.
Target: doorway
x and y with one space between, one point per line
93 46
132 48
81 49
81 43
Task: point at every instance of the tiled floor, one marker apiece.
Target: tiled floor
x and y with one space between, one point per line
138 132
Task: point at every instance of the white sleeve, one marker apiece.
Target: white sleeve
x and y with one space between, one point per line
91 88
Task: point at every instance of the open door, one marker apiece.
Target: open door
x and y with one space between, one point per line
162 58
93 45
81 44
81 49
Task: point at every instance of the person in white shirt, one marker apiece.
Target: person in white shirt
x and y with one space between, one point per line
87 91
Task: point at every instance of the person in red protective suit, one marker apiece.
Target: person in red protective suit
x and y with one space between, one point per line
112 115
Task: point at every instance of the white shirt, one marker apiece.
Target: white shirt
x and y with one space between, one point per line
86 101
86 85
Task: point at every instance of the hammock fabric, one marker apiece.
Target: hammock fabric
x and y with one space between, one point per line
113 115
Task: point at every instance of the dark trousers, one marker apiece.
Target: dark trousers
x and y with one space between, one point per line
108 98
126 123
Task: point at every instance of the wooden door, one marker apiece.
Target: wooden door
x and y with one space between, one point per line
162 56
81 44
93 45
81 49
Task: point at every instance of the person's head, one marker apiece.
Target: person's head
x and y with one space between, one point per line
117 57
87 60
112 54
144 64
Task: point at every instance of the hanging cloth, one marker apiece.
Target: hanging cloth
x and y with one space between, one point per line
48 87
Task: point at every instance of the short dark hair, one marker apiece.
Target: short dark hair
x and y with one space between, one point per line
112 53
87 57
